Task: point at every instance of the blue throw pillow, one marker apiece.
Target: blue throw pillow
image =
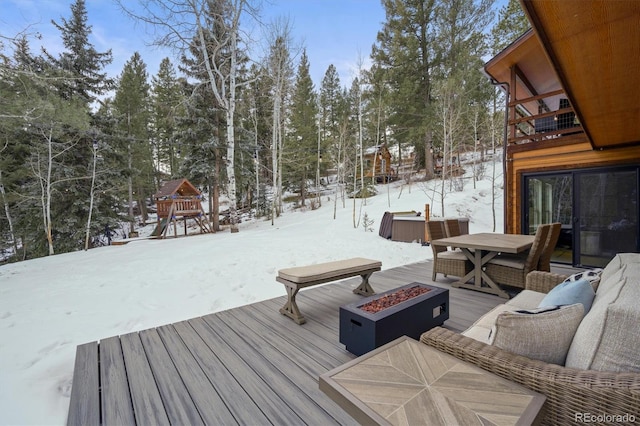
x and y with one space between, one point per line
570 292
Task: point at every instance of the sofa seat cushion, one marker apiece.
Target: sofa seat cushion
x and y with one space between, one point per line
544 334
526 299
481 329
570 292
607 338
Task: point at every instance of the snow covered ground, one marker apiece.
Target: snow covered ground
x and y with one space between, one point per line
48 306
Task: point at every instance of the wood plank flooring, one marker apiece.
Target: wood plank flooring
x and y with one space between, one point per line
247 365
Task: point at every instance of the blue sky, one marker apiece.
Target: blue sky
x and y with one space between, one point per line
337 32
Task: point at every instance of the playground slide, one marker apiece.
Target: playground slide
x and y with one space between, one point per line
160 227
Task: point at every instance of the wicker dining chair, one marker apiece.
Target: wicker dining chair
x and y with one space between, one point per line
452 227
512 270
544 263
445 261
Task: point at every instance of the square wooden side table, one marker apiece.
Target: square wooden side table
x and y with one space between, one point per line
408 382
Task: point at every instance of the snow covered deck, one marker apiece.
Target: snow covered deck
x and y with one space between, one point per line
247 365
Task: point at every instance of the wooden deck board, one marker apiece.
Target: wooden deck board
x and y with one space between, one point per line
84 409
147 403
247 365
117 407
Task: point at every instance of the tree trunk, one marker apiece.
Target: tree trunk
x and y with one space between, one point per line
93 181
215 195
12 235
130 188
47 195
428 155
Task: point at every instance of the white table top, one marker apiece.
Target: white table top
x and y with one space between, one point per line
506 243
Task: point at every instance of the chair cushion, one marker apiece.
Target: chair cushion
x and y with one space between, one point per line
320 271
544 333
570 292
510 261
607 338
452 255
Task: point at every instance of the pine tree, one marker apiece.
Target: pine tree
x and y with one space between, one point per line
167 104
404 62
80 59
332 109
131 104
512 23
302 151
81 81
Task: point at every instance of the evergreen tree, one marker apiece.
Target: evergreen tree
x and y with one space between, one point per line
167 105
202 130
404 61
80 81
332 108
512 23
131 104
303 151
19 101
45 133
80 59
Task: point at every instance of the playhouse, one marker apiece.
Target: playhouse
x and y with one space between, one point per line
377 164
179 199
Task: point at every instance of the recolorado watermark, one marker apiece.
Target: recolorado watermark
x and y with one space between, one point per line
604 418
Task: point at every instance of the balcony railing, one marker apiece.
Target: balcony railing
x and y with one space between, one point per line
553 118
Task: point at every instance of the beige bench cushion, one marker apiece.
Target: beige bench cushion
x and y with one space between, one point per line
324 271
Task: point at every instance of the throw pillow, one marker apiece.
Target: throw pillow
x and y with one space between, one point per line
593 276
570 292
544 334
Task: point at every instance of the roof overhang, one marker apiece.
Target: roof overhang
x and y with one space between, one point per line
594 47
536 76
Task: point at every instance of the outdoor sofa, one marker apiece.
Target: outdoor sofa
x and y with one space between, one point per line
587 365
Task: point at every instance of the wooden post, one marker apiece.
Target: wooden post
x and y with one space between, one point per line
426 219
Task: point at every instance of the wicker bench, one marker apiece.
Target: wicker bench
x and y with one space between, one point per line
300 277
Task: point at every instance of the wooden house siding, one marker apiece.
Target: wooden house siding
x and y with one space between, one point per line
556 158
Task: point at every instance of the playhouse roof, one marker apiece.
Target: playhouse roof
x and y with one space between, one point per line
181 187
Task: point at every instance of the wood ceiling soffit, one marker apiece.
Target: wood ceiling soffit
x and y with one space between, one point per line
594 47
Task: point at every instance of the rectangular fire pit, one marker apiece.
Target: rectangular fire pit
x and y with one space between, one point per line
362 331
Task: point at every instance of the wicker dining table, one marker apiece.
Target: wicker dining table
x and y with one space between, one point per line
481 248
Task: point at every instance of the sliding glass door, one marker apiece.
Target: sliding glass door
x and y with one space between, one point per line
598 209
607 215
550 199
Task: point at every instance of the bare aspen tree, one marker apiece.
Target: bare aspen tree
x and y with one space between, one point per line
449 114
7 213
91 195
280 70
43 165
